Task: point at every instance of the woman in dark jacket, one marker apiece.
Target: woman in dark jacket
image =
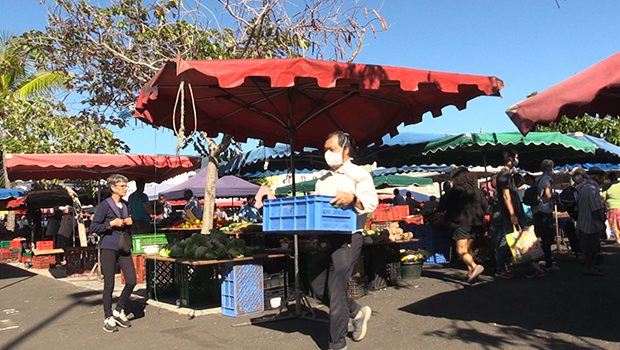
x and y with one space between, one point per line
465 207
111 219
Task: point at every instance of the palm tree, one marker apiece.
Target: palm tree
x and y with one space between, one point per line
19 77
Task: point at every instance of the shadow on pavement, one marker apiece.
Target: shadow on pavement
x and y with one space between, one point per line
11 272
317 330
563 301
507 337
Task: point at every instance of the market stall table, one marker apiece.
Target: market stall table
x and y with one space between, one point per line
193 282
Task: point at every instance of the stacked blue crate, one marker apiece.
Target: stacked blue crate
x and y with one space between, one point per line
242 289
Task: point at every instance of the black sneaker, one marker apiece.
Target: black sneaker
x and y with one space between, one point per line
109 325
121 319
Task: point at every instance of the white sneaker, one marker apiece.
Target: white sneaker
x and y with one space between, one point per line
109 325
121 319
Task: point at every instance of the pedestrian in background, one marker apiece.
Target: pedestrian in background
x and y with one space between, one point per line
465 207
611 197
543 212
591 214
140 209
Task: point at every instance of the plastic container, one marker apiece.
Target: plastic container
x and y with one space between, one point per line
45 245
307 213
160 279
411 270
357 287
242 289
5 244
159 239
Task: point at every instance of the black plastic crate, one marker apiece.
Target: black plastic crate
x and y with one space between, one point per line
393 272
357 287
198 285
274 280
160 279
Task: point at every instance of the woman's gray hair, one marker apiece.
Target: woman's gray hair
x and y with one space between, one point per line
115 179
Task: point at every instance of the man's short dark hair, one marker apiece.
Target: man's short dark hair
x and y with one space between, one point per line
547 164
344 140
140 182
509 153
596 171
188 192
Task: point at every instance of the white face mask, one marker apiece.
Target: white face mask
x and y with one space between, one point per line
333 159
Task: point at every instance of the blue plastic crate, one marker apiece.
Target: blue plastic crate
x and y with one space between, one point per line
242 289
307 213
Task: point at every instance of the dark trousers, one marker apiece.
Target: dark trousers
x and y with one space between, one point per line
330 271
109 258
543 226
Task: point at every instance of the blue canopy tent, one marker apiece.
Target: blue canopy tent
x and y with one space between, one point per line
266 161
11 194
606 157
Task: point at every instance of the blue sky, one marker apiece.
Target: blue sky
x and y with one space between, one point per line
530 44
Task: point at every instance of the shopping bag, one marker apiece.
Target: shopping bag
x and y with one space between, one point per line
524 245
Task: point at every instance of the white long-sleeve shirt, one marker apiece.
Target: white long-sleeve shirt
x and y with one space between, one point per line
352 179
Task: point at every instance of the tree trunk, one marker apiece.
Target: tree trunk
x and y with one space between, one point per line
209 199
10 218
207 213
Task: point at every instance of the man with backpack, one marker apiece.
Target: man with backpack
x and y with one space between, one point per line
591 214
543 211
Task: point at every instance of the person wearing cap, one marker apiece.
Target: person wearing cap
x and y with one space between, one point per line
611 198
590 214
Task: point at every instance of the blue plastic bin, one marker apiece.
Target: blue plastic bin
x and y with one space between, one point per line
242 289
307 213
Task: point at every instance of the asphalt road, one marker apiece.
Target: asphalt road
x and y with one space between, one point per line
563 310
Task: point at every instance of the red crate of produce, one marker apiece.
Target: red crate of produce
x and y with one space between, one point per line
139 263
45 245
5 250
380 215
16 244
43 261
398 212
5 257
415 220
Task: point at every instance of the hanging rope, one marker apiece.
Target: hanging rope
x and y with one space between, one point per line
180 132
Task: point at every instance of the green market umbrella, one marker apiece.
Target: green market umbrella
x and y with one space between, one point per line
487 149
380 182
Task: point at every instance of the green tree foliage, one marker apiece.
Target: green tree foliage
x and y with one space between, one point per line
113 51
31 121
41 125
607 128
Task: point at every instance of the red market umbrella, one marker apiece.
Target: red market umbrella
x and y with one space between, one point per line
299 101
595 90
85 166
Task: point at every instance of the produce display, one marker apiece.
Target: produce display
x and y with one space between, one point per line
414 255
196 224
396 233
215 246
243 227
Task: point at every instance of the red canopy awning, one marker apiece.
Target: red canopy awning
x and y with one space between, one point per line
86 166
280 99
595 90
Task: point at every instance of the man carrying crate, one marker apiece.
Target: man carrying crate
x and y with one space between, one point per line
333 266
